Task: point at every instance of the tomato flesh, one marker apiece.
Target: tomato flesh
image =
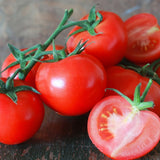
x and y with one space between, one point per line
120 131
143 38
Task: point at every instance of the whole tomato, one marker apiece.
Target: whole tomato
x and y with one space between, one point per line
108 45
20 121
126 80
30 78
73 85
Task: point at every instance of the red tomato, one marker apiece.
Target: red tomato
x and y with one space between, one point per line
158 72
73 85
19 122
120 131
9 72
110 43
30 78
143 38
126 80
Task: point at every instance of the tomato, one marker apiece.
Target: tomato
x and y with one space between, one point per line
110 43
143 38
120 131
19 122
9 72
158 72
30 78
73 85
126 80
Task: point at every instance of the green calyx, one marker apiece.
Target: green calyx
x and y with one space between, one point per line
9 90
138 100
58 54
89 25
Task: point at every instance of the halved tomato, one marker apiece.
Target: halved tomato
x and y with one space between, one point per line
143 38
121 131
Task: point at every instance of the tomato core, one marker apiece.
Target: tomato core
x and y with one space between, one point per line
103 129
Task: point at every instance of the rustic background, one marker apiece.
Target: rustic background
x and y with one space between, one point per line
24 23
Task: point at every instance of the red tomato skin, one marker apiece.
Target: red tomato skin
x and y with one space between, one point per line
126 80
19 122
143 38
73 85
30 78
110 43
158 71
142 144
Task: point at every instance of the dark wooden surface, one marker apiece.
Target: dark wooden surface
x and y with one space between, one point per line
28 22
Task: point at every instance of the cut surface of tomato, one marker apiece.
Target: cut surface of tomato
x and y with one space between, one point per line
143 38
120 131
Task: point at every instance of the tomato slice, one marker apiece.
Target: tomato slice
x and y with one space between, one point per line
143 38
120 131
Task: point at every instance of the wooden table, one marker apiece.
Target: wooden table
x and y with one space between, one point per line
25 23
60 138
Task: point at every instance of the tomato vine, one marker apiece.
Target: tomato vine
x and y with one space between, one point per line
37 52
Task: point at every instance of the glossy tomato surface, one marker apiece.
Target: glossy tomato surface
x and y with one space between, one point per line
110 43
126 80
120 132
20 121
73 85
143 38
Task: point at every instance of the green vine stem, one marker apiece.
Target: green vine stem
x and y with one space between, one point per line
9 82
148 70
38 51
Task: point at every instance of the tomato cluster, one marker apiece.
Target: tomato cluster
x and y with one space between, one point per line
104 56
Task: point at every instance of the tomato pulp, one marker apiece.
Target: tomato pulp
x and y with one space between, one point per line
143 38
120 131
